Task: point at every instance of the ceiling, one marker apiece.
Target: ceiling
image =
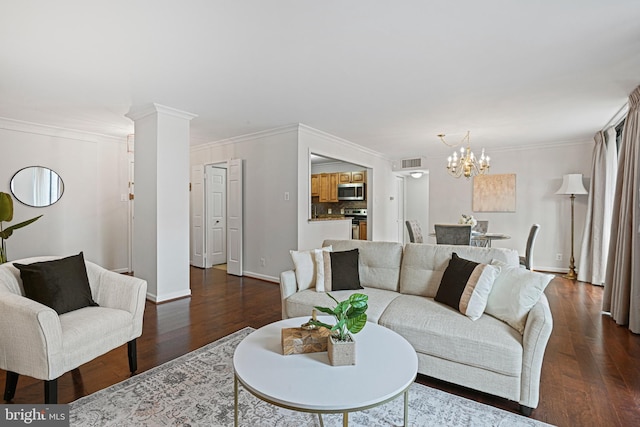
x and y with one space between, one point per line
387 75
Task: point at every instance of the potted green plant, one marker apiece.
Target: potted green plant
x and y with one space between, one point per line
6 214
351 317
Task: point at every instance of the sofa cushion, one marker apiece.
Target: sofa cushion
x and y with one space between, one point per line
379 262
80 327
424 264
302 303
465 286
440 331
61 284
515 292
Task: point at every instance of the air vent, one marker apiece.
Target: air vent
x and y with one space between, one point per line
409 164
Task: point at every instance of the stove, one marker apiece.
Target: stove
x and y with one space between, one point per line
356 214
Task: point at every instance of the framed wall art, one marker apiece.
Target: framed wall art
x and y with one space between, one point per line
494 193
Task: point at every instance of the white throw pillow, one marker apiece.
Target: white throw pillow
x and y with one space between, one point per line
305 267
321 270
515 291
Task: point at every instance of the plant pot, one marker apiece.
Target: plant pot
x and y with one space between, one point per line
341 353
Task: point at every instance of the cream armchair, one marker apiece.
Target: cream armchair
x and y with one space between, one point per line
37 342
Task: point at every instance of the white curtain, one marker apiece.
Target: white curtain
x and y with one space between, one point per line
622 284
592 266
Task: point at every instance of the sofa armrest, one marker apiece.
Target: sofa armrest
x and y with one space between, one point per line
123 292
30 336
536 335
288 287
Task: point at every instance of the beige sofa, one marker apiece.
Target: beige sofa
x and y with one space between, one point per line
486 355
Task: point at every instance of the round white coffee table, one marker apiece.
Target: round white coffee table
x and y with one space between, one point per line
386 366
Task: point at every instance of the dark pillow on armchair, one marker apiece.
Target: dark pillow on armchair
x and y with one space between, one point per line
61 284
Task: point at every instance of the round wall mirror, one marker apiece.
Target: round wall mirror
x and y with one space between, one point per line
37 186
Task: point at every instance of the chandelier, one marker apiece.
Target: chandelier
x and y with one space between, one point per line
466 162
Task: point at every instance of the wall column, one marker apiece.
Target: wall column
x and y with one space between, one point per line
161 220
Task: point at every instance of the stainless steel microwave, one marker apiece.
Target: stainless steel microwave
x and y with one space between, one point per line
351 191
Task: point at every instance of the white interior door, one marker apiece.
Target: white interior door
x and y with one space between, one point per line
234 217
197 217
216 241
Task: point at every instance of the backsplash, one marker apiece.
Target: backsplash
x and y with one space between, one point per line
323 208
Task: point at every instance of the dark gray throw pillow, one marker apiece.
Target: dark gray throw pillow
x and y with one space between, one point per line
61 284
344 270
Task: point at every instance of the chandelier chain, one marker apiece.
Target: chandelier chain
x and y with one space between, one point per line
466 138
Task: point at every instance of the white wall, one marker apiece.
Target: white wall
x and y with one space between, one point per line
269 162
90 216
417 202
381 188
277 161
539 172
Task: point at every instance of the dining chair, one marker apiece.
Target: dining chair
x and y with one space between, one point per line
453 234
527 260
481 227
415 231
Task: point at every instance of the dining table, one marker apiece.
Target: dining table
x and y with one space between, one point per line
488 237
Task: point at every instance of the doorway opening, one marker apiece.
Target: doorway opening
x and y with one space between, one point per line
217 216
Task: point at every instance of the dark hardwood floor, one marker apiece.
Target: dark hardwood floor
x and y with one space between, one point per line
590 374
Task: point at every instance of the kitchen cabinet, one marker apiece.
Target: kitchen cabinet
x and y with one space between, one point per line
352 177
344 178
359 176
333 187
315 185
363 230
328 191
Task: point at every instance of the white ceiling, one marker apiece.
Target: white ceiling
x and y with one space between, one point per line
388 75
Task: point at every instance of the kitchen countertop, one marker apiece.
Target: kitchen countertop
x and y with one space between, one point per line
329 218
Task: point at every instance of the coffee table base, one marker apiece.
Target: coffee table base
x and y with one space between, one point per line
345 414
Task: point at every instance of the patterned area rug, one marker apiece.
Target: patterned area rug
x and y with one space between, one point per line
197 390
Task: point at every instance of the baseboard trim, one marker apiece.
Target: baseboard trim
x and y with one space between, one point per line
169 297
261 277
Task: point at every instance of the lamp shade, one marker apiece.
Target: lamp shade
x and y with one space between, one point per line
572 184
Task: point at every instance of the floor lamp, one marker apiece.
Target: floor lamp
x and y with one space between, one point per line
572 185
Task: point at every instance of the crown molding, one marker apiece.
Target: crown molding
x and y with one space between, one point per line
138 113
54 131
247 137
544 145
312 131
540 146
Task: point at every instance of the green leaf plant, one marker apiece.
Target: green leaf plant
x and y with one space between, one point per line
6 214
350 316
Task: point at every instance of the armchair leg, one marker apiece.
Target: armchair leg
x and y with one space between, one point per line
10 386
133 356
51 392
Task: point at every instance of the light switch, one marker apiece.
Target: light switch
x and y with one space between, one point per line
286 195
